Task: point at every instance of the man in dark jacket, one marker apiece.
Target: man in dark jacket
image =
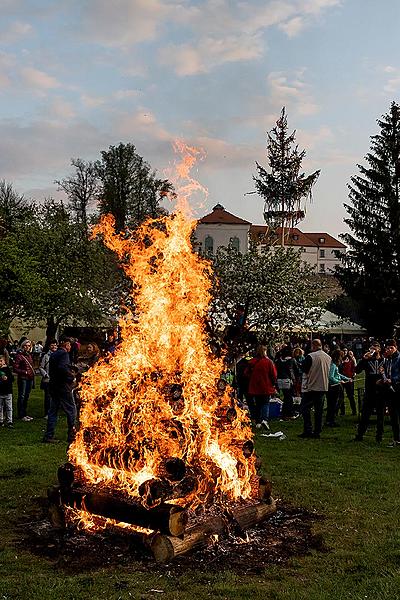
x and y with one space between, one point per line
372 363
392 381
60 386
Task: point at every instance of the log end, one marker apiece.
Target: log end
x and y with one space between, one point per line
162 548
177 521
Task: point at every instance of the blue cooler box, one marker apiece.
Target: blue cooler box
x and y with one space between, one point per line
275 408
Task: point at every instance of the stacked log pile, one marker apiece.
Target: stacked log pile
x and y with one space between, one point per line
162 526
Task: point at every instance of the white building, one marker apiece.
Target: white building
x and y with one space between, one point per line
221 228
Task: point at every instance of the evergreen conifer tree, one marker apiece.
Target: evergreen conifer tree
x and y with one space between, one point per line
370 273
284 187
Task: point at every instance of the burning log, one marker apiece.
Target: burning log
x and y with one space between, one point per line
165 547
167 518
174 469
56 511
248 448
154 491
264 489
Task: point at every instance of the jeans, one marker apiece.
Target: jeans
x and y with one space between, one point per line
47 397
332 400
394 411
24 390
348 386
372 401
259 407
287 406
6 409
312 400
61 398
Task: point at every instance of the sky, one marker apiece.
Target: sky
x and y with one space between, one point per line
80 75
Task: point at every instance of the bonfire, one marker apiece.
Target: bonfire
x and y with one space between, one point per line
161 437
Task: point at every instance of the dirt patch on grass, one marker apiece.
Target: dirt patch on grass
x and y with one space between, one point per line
286 534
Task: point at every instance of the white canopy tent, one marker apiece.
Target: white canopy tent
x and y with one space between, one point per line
333 324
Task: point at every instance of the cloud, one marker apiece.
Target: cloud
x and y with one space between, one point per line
293 26
222 154
45 147
224 32
213 32
60 109
7 63
122 23
15 31
38 79
209 53
292 92
141 125
392 85
118 96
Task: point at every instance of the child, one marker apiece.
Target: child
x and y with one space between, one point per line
6 381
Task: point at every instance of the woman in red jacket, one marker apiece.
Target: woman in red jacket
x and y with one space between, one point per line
23 367
262 373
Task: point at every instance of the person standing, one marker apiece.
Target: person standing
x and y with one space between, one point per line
335 381
23 367
372 363
44 371
6 381
89 358
242 379
316 367
348 368
392 384
262 380
60 386
287 371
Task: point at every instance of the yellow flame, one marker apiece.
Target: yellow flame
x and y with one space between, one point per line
157 397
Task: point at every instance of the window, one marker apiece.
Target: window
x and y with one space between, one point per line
322 268
322 253
234 242
209 245
321 240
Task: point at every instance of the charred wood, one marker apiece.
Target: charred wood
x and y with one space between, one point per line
166 518
165 547
173 469
154 491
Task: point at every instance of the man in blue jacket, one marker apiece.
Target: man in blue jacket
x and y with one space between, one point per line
61 383
392 372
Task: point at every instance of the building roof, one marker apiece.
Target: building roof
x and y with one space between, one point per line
293 236
220 215
329 240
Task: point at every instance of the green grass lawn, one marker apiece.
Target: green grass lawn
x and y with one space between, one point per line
354 486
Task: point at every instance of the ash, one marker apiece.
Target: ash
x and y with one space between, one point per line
286 534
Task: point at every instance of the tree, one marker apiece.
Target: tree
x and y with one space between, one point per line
78 277
82 189
284 187
19 280
130 190
371 267
277 291
14 208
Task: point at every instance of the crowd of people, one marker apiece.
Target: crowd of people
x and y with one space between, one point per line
304 377
60 366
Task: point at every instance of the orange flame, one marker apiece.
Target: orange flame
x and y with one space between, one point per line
160 399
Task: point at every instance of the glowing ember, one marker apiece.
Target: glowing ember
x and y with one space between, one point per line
156 420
